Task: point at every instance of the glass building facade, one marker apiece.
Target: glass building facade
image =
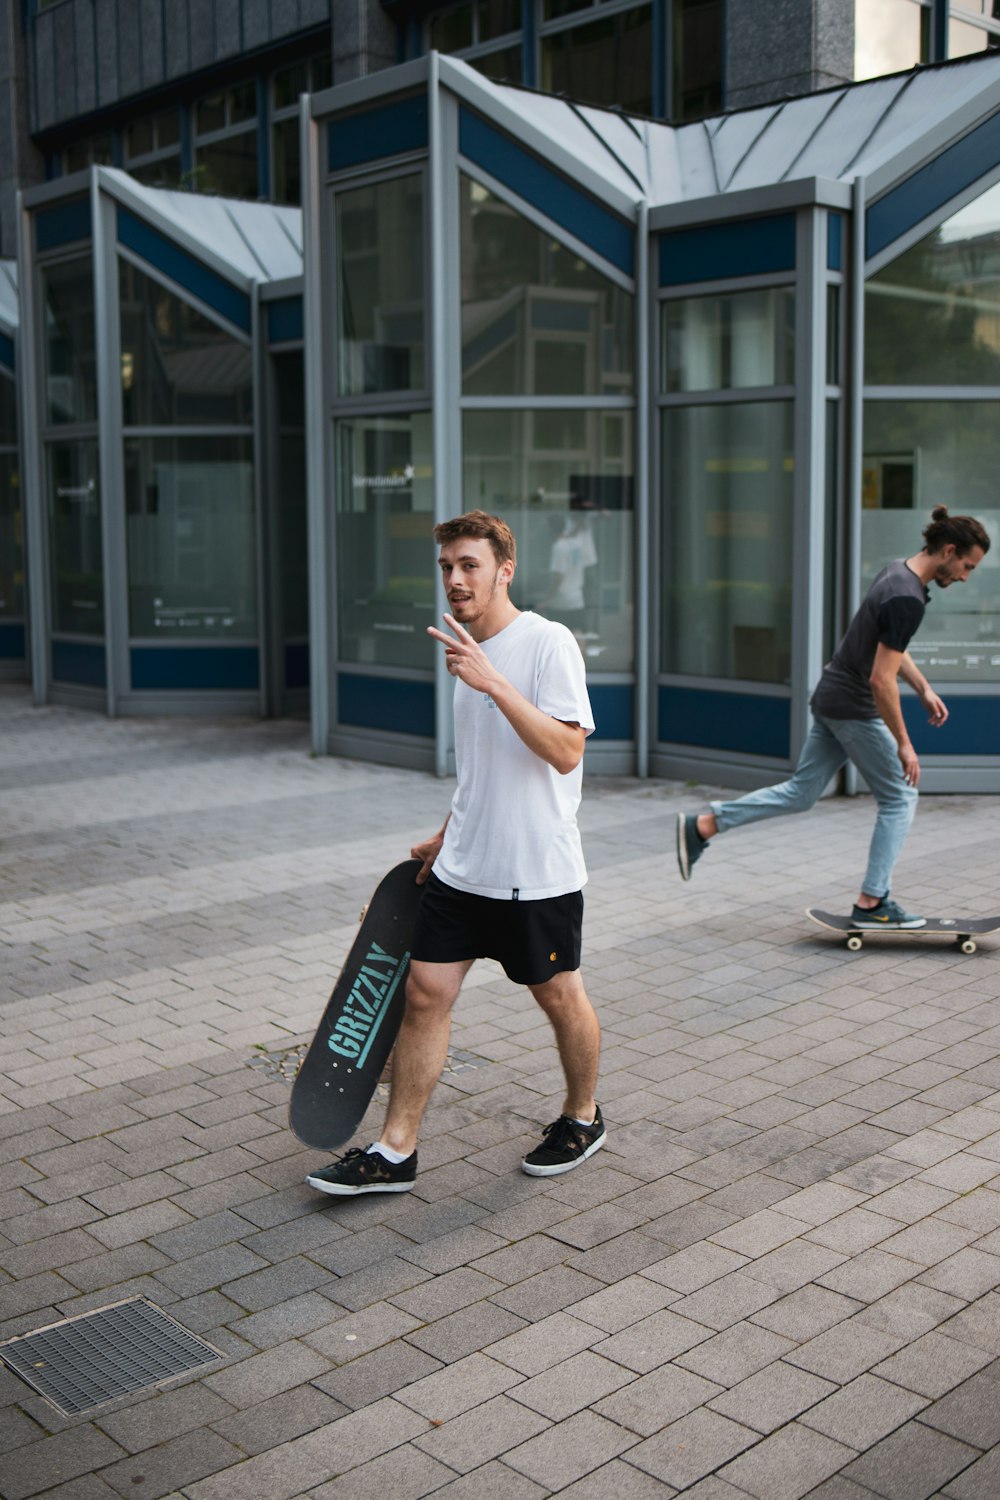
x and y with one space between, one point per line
162 383
12 593
714 377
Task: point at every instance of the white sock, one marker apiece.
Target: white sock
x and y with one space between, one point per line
588 1123
395 1157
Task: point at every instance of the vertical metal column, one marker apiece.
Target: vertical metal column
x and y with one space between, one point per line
854 408
317 435
808 551
444 381
642 541
265 522
32 467
114 552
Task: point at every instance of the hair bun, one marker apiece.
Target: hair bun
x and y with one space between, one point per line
939 513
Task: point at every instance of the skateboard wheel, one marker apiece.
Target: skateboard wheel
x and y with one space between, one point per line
854 942
968 946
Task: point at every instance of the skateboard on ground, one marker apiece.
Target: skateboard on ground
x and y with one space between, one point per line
964 930
337 1079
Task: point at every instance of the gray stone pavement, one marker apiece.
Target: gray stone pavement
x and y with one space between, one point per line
778 1279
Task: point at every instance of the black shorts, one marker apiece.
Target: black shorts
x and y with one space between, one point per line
532 940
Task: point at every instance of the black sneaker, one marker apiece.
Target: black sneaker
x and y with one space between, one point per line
690 844
365 1172
886 914
567 1143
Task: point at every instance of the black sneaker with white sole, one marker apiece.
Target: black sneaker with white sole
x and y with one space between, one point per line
365 1172
565 1145
690 844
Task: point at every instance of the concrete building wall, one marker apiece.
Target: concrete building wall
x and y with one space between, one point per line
94 54
779 48
364 40
21 164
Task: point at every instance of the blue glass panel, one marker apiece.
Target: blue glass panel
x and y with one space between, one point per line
6 351
712 252
62 224
11 641
973 726
80 662
835 242
388 130
933 185
748 723
184 269
284 320
405 707
171 669
547 191
614 710
297 664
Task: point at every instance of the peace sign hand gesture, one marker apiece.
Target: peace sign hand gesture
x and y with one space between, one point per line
465 658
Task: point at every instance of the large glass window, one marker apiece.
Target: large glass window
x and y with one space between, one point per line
152 148
537 319
697 58
289 387
11 535
226 142
966 35
68 350
727 541
286 85
190 527
77 589
380 260
478 30
385 550
564 480
890 36
607 60
177 365
916 455
729 342
932 315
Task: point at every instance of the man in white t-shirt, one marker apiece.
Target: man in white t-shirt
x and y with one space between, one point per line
504 875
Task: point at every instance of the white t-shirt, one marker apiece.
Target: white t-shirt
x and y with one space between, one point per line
572 554
512 834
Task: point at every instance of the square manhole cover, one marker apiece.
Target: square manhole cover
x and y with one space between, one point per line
99 1356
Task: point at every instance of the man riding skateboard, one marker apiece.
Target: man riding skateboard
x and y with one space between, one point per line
504 875
857 716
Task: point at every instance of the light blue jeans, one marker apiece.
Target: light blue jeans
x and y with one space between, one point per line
829 743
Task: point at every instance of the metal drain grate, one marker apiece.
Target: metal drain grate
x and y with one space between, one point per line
99 1356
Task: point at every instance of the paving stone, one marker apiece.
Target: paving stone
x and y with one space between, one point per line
735 1353
544 1344
786 1465
473 1438
771 1397
970 1412
468 1382
807 1312
933 1364
688 1449
620 1479
279 1419
911 1464
494 1480
474 1328
844 1351
403 1474
573 1447
651 1402
164 1417
55 1460
980 1481
863 1411
181 1461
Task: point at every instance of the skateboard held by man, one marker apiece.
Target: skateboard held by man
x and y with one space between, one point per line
344 1063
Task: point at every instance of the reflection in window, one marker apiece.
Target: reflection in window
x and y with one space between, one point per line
537 319
290 480
177 365
380 239
604 61
77 588
729 342
228 166
890 36
932 315
190 528
918 454
385 547
727 541
697 58
564 480
286 164
70 371
11 523
964 39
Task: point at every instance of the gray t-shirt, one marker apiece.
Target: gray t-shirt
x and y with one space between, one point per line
890 613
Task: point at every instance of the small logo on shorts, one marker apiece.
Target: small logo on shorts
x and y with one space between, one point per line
552 958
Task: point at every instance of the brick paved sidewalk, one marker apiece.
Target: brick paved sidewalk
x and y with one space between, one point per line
779 1278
